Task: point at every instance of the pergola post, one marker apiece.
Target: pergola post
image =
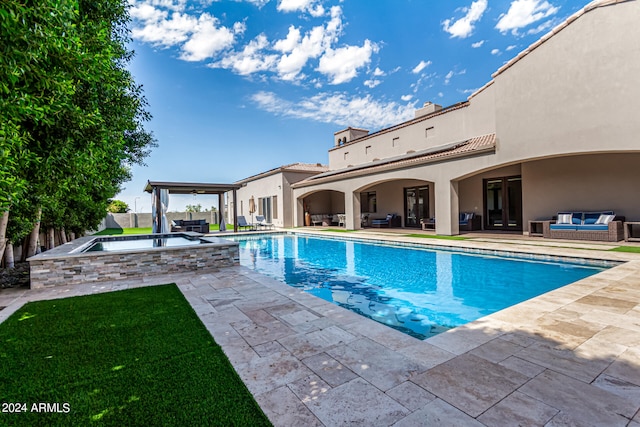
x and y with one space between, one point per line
235 212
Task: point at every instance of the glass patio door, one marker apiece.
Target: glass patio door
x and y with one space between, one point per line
416 204
503 203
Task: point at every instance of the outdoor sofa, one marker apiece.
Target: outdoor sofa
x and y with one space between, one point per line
197 225
321 219
600 226
391 220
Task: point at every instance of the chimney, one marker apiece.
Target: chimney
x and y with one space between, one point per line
428 108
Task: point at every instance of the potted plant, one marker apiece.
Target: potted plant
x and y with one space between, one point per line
307 215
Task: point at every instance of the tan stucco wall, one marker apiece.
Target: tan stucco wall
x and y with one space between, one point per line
582 183
454 126
277 184
575 94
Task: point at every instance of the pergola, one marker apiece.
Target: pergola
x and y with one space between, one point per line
193 188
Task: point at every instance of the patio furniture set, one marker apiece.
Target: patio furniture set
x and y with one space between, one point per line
260 224
196 225
327 220
603 226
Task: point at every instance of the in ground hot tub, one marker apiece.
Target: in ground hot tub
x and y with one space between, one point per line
102 258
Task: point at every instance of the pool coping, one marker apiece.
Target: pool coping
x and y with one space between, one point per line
581 340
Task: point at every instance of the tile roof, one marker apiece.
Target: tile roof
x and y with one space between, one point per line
293 167
476 145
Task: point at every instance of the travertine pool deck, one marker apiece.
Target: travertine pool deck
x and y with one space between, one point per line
568 357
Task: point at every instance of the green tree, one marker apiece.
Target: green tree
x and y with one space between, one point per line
194 208
117 206
73 122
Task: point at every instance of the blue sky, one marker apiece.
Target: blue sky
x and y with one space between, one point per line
237 87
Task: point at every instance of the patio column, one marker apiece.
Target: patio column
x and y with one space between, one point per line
447 223
298 212
352 210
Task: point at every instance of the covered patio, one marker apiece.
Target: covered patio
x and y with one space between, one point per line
160 191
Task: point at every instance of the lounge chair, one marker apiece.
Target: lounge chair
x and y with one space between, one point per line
262 223
242 223
342 219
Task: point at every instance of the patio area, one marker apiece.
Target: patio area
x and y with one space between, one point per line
568 357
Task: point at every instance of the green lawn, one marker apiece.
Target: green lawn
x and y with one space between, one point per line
338 230
115 231
435 236
630 249
134 357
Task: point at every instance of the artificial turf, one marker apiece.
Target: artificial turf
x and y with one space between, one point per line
144 230
134 357
435 236
630 249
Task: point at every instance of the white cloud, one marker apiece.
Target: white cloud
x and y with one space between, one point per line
378 72
452 73
510 47
199 37
371 83
522 13
342 64
477 44
464 26
297 50
146 12
309 6
207 39
421 66
250 60
258 3
495 52
406 98
338 108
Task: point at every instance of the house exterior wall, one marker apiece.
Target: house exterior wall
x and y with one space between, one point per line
276 184
260 188
573 94
576 92
593 182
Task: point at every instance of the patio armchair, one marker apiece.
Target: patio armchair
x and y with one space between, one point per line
467 221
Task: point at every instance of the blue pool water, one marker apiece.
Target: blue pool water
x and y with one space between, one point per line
418 291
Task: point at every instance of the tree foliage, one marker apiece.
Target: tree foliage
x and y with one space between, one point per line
73 117
117 206
194 208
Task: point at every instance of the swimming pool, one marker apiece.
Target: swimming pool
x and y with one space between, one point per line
419 291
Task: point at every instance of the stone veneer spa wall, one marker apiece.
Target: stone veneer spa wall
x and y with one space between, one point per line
68 264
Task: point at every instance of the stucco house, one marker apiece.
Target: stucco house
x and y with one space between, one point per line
556 129
272 194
